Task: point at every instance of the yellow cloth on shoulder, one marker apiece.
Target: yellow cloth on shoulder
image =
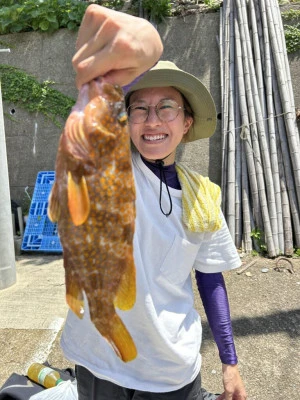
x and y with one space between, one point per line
201 200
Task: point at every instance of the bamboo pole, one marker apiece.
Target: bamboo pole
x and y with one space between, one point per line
246 204
230 197
288 237
257 57
225 100
271 124
238 168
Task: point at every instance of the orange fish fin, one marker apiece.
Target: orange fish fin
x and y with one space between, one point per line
125 297
54 207
78 200
74 299
121 341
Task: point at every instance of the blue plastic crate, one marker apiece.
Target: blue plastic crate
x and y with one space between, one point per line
41 192
50 229
40 233
47 177
51 243
31 242
35 225
38 208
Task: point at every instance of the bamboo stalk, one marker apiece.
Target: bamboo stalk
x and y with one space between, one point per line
225 101
288 237
257 54
271 126
246 204
230 197
238 170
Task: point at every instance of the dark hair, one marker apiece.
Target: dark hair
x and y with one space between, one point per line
188 112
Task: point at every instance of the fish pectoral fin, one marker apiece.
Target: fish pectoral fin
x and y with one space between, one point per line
126 294
54 206
121 340
78 199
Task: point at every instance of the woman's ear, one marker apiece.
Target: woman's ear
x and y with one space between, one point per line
187 124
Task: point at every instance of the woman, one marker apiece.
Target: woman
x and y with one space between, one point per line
165 107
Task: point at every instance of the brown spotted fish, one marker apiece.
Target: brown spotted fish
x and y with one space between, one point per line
93 201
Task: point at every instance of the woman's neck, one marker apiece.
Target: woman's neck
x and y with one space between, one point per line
169 171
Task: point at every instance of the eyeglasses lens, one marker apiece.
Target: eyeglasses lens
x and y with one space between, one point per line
166 110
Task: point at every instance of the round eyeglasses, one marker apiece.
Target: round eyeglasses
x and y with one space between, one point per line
166 110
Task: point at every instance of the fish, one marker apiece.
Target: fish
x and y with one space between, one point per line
93 202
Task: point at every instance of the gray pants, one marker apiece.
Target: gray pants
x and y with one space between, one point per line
92 388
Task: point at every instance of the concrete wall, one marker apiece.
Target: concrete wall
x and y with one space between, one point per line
191 42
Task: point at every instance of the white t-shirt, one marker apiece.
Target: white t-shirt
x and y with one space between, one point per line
163 322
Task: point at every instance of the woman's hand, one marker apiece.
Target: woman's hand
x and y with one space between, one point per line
233 384
115 45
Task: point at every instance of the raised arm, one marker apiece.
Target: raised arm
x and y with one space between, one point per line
115 45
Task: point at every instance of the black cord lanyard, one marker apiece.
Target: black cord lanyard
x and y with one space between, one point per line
162 174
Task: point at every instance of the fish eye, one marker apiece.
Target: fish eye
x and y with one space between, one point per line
122 118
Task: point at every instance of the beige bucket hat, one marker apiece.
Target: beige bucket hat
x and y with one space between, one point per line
166 73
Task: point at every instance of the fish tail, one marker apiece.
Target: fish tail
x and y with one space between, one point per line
121 340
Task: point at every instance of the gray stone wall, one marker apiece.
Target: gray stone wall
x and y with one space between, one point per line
190 41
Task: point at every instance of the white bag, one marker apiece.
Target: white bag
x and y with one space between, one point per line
66 390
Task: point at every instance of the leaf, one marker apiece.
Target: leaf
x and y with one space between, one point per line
44 25
72 25
52 18
16 28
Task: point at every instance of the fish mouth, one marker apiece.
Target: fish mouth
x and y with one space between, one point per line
154 138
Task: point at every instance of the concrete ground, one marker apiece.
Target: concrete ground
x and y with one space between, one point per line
265 310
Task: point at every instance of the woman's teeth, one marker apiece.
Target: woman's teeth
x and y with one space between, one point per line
152 138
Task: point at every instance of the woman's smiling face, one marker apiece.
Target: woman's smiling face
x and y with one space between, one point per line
156 139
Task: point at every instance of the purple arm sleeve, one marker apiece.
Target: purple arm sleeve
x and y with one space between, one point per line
127 88
213 293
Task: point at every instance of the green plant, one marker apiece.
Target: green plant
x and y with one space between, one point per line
213 4
44 15
297 252
292 37
26 201
157 10
113 4
258 236
21 88
291 14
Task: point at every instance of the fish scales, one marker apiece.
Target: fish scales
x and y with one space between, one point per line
93 202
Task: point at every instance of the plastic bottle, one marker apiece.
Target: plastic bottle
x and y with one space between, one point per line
44 375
